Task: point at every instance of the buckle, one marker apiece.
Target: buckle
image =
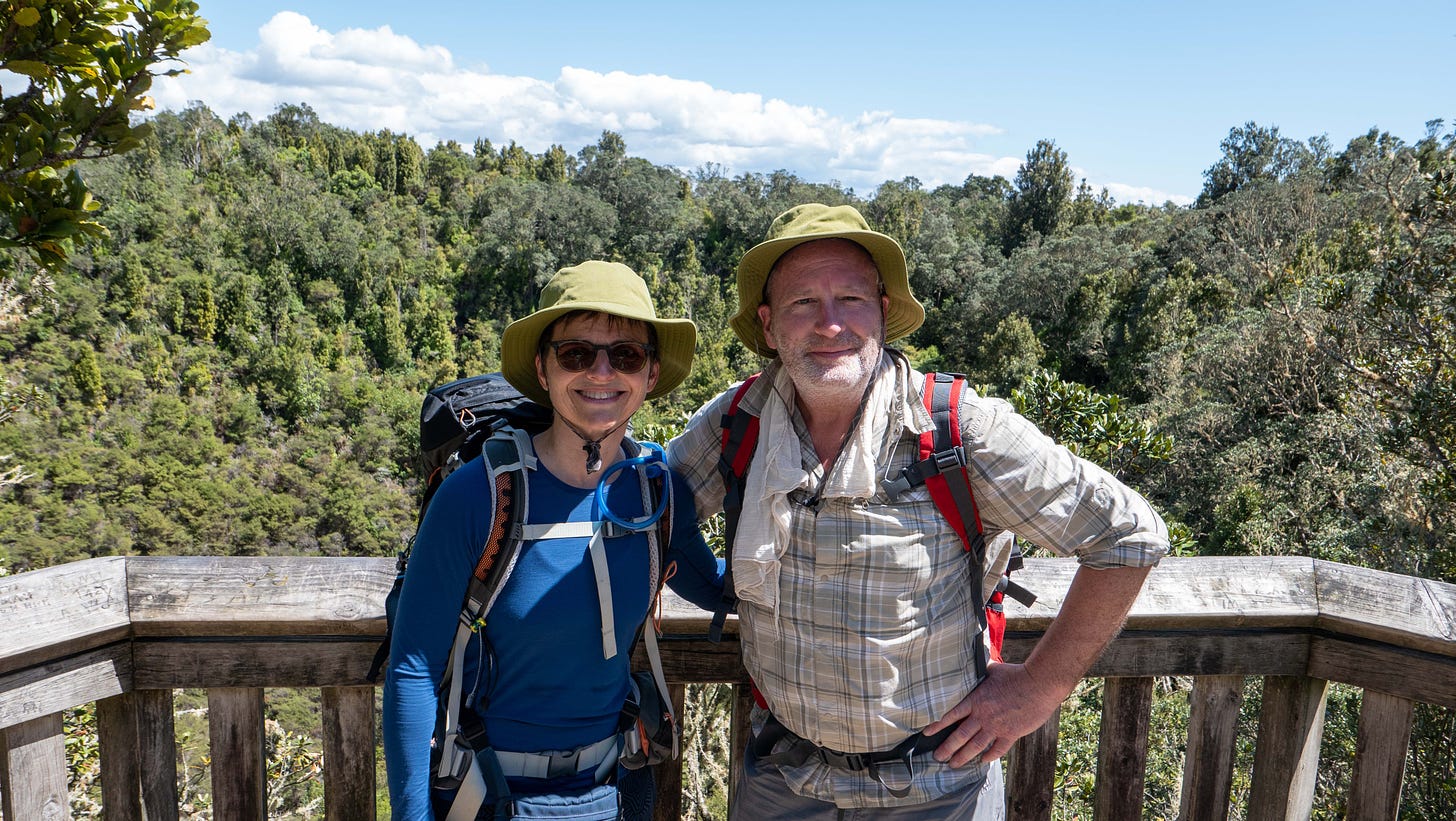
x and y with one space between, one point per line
563 763
855 762
949 460
894 487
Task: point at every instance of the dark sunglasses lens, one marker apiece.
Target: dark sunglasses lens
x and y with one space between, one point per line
575 356
627 357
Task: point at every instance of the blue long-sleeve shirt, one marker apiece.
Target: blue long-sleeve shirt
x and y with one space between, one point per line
545 685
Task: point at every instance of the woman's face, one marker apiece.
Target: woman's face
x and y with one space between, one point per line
600 398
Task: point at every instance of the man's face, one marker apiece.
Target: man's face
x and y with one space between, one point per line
825 314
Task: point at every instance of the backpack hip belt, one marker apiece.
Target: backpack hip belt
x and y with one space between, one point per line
557 763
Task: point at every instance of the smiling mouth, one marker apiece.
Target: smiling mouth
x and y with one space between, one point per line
599 395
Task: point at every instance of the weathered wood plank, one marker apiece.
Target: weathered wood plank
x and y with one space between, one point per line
1380 752
349 753
1230 591
58 685
738 735
66 609
1412 674
1287 754
1122 751
1419 614
1033 773
34 770
121 770
1208 766
250 662
668 774
157 745
694 658
1251 651
235 738
223 595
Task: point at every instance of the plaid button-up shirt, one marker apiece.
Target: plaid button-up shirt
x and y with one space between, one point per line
874 634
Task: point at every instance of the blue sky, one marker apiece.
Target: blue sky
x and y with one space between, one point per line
1139 95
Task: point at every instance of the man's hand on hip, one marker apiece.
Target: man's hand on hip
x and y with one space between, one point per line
1005 706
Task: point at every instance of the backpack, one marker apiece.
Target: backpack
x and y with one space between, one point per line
456 419
486 416
941 467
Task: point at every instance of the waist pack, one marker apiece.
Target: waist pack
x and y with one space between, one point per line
600 803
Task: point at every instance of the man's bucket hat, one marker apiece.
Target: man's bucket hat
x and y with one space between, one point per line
807 223
608 288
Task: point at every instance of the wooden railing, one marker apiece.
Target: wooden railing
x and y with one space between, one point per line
123 633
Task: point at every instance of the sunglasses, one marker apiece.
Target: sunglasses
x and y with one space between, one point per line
575 355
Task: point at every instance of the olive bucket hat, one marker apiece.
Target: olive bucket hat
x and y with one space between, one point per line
807 223
604 287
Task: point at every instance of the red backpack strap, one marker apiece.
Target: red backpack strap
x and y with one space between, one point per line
740 439
941 467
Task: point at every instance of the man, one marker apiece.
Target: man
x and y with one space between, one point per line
858 624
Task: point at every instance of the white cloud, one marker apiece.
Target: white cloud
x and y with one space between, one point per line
1144 194
375 79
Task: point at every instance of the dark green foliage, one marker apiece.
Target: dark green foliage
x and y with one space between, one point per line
1043 192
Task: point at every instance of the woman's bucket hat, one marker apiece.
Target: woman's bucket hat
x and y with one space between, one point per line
816 221
604 287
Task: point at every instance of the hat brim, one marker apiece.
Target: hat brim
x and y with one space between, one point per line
904 315
676 341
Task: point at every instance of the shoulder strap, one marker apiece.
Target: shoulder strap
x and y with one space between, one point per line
507 454
941 467
740 439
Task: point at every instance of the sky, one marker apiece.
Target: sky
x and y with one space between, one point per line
1139 95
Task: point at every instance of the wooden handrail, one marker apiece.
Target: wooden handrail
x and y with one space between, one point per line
123 632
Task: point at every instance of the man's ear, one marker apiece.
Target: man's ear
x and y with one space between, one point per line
763 317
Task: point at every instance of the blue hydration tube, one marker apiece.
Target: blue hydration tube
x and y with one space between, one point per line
653 462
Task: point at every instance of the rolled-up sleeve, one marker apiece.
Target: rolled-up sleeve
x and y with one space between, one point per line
1030 485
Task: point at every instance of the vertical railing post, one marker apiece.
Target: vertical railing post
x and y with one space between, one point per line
738 734
1208 766
157 750
1287 757
1033 773
239 771
34 770
668 774
349 752
1122 749
121 770
1380 751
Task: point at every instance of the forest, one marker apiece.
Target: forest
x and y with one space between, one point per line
236 366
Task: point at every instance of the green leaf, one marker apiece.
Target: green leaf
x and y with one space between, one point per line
27 17
30 68
196 35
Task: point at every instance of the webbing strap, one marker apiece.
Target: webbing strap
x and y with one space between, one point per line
453 752
597 549
654 658
740 438
469 797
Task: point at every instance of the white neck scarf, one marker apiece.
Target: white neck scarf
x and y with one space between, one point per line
778 469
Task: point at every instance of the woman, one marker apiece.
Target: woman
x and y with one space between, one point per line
546 679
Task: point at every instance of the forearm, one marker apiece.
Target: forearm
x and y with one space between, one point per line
1015 699
1093 612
